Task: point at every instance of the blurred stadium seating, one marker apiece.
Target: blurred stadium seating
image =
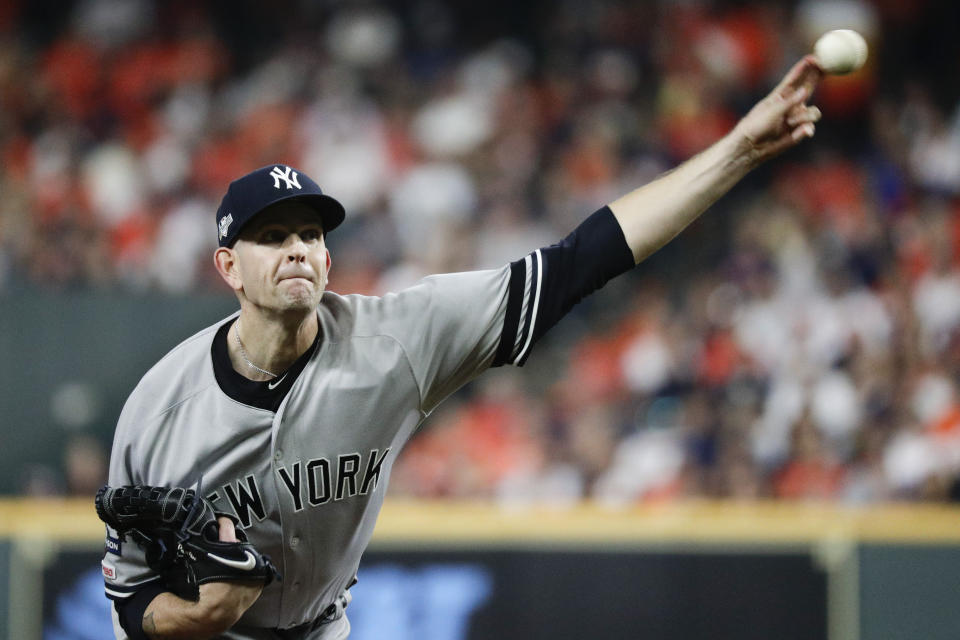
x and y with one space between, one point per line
800 341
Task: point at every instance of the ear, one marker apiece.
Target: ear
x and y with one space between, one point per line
326 273
225 260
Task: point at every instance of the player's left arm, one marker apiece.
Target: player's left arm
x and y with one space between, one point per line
656 212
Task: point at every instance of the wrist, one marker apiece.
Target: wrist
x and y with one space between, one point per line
741 150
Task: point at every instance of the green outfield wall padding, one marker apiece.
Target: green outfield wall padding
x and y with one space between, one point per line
909 592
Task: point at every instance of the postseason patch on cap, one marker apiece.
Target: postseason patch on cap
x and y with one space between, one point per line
224 225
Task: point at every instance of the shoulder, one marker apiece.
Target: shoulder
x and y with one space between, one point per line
183 371
448 295
434 293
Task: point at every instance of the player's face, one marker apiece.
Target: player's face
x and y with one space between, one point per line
282 259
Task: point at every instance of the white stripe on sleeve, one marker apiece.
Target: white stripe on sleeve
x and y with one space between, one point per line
536 303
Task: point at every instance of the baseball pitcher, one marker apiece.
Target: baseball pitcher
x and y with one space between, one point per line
250 463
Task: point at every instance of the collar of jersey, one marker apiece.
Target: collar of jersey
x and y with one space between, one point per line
251 392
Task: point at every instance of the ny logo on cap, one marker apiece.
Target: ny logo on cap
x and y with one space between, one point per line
225 223
286 174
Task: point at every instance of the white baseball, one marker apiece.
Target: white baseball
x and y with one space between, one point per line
840 51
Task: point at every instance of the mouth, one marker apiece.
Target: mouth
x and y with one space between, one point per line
296 277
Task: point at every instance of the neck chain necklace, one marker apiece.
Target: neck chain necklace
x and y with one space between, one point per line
243 353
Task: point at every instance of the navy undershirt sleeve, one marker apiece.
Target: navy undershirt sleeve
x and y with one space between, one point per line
130 610
560 276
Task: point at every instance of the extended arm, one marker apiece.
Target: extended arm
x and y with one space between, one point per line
547 283
656 212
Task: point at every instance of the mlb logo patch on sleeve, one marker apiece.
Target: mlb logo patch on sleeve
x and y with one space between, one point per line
112 545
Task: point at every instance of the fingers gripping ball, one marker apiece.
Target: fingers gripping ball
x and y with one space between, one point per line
178 531
840 51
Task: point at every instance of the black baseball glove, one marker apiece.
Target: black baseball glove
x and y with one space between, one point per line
179 533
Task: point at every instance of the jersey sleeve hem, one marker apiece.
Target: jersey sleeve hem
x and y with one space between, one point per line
548 282
122 592
511 321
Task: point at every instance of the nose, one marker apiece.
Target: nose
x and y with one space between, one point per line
296 249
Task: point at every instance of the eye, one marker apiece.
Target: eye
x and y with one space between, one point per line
272 236
310 235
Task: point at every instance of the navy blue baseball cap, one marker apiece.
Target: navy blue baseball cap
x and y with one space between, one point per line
254 192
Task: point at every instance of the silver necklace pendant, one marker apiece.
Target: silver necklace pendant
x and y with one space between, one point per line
243 352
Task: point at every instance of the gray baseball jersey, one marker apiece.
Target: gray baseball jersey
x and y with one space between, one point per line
303 460
307 480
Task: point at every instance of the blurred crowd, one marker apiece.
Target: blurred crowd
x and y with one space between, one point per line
801 341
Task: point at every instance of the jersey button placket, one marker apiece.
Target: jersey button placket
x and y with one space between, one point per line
278 455
294 542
